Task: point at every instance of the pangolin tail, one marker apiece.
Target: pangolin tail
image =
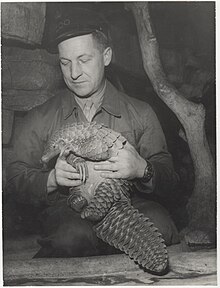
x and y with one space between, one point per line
131 232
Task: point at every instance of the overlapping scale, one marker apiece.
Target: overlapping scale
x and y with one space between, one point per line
88 140
126 229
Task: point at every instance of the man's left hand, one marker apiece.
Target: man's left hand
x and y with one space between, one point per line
128 164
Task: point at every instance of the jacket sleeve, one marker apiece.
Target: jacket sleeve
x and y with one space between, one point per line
152 147
26 178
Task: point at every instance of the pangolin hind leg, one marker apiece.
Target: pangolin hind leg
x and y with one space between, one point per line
75 200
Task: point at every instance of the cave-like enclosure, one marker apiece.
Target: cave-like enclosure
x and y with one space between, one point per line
30 75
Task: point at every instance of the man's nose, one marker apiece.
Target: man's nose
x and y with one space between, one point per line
76 71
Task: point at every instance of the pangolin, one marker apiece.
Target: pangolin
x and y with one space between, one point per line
106 202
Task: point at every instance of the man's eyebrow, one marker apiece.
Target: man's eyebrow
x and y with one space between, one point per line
85 54
80 56
63 58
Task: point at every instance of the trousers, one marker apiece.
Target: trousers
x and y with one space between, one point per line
65 234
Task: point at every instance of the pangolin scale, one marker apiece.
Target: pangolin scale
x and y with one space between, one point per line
106 202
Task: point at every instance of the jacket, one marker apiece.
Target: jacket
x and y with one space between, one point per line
134 119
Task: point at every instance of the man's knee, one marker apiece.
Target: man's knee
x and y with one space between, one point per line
75 240
66 234
160 218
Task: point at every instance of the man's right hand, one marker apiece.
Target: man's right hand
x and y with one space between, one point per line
64 175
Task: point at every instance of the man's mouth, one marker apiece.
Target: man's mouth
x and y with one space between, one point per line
78 82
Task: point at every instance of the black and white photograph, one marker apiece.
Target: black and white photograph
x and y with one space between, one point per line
109 143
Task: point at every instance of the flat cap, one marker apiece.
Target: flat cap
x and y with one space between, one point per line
78 21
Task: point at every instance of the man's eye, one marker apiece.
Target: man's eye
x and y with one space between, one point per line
84 60
64 62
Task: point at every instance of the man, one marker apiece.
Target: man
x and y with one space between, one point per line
84 52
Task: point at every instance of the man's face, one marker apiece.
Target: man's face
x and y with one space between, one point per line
82 64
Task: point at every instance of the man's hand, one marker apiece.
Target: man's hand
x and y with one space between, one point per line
64 175
128 164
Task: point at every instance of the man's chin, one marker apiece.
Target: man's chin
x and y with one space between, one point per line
82 93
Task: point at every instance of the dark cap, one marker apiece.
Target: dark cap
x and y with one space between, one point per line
78 21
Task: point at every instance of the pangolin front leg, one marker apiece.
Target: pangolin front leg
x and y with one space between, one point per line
76 200
80 165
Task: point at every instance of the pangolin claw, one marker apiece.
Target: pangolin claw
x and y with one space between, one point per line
76 202
80 165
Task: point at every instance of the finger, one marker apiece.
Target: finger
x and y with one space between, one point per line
114 175
67 175
105 167
63 165
113 159
127 144
128 147
69 183
76 183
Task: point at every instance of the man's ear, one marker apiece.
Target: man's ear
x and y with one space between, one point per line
107 54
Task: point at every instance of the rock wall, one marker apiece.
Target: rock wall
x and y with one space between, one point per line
23 21
29 78
29 75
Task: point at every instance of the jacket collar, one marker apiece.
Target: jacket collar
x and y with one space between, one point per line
110 101
68 103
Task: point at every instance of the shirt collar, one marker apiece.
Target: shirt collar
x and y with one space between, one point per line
110 101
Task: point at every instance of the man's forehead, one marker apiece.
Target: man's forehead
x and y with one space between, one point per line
83 44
